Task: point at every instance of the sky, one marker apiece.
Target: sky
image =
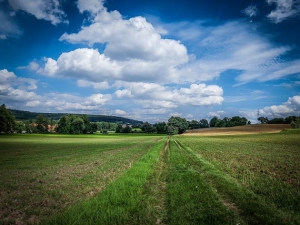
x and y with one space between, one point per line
151 59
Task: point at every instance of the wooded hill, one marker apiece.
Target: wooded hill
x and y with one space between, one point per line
26 115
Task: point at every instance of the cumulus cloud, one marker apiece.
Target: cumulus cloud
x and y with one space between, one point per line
97 99
42 9
288 108
251 11
97 67
33 66
134 49
285 9
129 39
120 112
92 6
95 85
154 96
17 91
9 79
217 114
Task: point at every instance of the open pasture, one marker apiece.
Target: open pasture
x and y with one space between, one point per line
42 175
148 179
256 176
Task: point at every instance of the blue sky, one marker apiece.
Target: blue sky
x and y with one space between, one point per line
151 59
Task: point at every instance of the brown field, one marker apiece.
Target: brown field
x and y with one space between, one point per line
247 129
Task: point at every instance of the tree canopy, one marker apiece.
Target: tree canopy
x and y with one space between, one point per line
7 120
75 124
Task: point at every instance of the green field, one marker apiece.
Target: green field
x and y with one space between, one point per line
150 179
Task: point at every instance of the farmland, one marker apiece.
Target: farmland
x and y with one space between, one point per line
150 179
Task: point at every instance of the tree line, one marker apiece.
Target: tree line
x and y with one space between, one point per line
80 124
178 125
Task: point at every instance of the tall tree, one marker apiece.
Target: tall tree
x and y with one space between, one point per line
180 124
204 123
213 122
160 127
7 120
41 124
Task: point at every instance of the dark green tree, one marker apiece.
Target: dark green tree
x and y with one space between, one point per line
171 130
180 124
127 129
148 128
7 120
263 120
296 123
204 123
41 124
194 124
213 122
119 128
77 126
160 127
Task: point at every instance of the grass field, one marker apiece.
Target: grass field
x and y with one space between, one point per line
150 179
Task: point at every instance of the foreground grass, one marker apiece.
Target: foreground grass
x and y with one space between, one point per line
255 175
42 175
145 179
191 200
122 202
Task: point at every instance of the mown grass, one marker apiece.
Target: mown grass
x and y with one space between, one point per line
191 200
42 175
150 179
257 174
122 202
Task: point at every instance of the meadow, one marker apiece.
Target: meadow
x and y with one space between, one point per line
150 179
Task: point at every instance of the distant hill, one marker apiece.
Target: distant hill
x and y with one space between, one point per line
26 115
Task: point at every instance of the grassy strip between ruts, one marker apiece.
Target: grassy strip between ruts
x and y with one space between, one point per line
190 199
252 208
121 201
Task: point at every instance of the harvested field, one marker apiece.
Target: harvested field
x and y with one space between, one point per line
247 129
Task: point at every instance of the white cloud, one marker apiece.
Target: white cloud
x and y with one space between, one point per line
95 85
92 6
50 67
97 99
285 9
42 9
129 39
217 114
235 46
9 79
93 66
33 66
288 108
134 46
80 63
176 114
251 11
135 51
120 112
33 103
153 96
20 92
